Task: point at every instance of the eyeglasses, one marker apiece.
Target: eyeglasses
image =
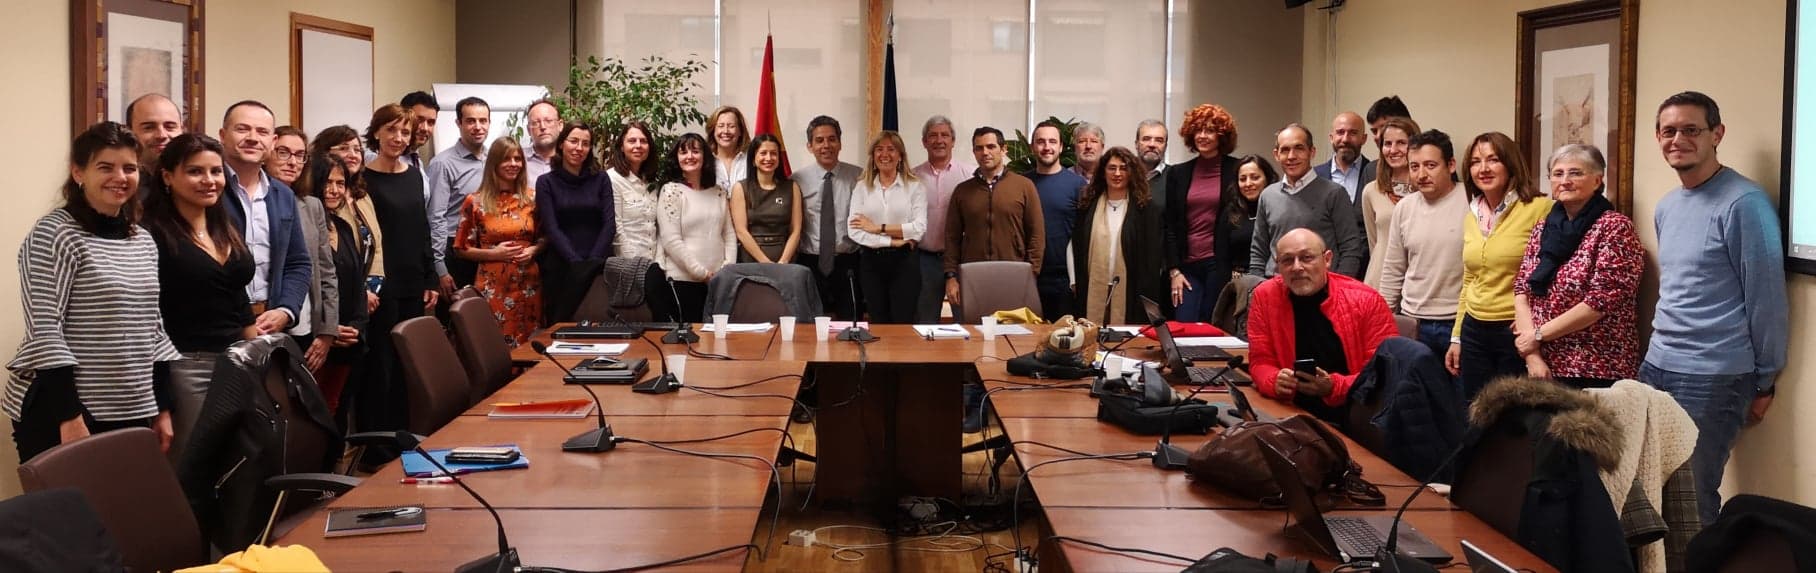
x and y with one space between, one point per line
346 148
1284 261
1691 132
287 156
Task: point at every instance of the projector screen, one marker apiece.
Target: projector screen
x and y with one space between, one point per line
1799 161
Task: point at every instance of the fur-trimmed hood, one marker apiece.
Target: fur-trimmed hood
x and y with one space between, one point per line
1580 421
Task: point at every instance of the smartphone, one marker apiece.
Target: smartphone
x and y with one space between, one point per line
1305 366
483 455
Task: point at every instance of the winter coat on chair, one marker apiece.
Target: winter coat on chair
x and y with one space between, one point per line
1411 404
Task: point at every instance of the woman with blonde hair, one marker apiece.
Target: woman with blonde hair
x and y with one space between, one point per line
888 217
729 135
498 232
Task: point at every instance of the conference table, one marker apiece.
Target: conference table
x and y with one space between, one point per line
886 425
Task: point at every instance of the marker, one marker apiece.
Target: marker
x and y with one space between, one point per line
426 480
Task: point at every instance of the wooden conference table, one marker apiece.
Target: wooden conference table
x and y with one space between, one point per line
887 426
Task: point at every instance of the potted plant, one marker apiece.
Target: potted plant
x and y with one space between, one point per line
1021 154
607 93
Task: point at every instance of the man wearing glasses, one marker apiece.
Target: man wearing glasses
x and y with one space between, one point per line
1303 200
1720 330
544 124
1310 331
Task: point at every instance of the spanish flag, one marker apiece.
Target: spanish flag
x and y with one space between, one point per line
766 104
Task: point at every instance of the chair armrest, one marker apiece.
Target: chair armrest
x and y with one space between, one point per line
324 482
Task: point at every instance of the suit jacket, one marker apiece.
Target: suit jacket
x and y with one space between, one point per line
324 290
290 264
1368 174
1174 220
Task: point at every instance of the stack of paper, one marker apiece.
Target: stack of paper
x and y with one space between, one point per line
1012 330
731 327
942 331
588 349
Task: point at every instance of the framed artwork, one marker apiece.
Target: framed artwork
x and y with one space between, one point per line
1576 68
331 70
123 49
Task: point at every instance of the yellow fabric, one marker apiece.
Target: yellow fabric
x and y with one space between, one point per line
1490 263
259 558
1021 315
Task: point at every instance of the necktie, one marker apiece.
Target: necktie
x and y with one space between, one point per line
829 226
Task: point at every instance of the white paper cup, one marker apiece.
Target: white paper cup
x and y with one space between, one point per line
677 365
821 324
788 328
988 327
1112 365
720 323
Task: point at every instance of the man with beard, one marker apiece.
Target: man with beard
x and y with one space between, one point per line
1058 188
1347 166
1151 144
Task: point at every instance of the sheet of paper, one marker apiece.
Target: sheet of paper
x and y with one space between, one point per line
942 331
588 349
1012 330
1129 365
731 327
1224 342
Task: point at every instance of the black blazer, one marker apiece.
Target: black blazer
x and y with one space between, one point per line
1141 259
1179 183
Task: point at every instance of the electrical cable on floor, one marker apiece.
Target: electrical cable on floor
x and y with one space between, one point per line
1015 500
942 542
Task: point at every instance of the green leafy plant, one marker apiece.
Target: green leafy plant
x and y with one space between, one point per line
1021 153
608 93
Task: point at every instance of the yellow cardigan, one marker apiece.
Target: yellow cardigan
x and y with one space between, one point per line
1490 262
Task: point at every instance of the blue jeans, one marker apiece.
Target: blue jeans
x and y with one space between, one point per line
933 288
1719 405
1435 334
1207 278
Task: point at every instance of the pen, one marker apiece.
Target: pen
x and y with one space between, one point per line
389 513
426 480
956 330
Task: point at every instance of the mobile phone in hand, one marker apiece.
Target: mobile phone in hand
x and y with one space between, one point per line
1305 366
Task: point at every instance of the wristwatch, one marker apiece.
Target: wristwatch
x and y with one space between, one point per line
1538 333
951 275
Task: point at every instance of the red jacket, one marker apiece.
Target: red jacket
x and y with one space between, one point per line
1356 312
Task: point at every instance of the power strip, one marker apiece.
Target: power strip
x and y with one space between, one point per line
802 538
1026 564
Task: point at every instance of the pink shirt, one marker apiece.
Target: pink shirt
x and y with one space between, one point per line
939 186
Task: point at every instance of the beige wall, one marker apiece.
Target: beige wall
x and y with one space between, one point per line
248 58
1453 64
523 42
1259 85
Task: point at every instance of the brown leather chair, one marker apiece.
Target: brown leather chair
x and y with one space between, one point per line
435 384
131 486
596 306
1492 483
988 286
482 346
1409 326
757 302
467 292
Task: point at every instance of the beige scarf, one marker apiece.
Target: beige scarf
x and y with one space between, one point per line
1106 262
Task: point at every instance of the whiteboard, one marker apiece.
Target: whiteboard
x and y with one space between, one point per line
506 102
337 81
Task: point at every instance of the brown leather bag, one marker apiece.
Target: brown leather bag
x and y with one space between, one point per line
1233 461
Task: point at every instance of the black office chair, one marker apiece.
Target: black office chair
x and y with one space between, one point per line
54 531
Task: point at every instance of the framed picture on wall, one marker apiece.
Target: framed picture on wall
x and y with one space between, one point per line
1575 79
123 49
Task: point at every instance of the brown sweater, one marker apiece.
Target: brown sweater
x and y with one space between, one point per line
1001 224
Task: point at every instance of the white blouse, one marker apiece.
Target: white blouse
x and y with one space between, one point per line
732 172
696 232
902 203
635 206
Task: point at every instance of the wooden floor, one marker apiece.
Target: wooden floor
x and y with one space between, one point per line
955 553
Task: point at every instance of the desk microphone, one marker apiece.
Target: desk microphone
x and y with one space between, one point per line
1388 557
595 440
1166 455
1105 334
683 332
505 560
663 384
854 332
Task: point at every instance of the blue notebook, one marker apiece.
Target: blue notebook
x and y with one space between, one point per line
416 466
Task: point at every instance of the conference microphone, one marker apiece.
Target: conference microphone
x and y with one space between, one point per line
1105 334
683 333
1166 455
854 332
1389 558
595 440
663 384
505 560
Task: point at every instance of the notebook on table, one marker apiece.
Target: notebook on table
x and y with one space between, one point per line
554 410
354 521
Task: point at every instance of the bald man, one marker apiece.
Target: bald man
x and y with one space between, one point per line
1307 312
154 121
1347 166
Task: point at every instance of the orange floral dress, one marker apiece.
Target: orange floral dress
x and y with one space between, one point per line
513 289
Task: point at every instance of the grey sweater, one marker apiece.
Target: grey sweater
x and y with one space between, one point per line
1322 206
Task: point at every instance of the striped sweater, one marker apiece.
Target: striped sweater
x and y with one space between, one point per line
91 303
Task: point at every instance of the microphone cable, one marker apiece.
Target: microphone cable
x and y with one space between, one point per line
774 474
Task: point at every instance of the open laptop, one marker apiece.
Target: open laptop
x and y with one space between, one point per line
1481 562
1180 368
1186 353
1347 538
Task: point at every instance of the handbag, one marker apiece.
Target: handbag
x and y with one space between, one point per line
1233 460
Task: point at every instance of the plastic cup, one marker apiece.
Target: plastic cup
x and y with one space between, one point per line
988 327
788 328
720 324
677 365
821 326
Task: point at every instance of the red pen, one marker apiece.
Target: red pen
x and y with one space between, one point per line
426 480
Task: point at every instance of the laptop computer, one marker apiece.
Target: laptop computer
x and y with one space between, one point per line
1188 353
1481 562
1346 538
1179 367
